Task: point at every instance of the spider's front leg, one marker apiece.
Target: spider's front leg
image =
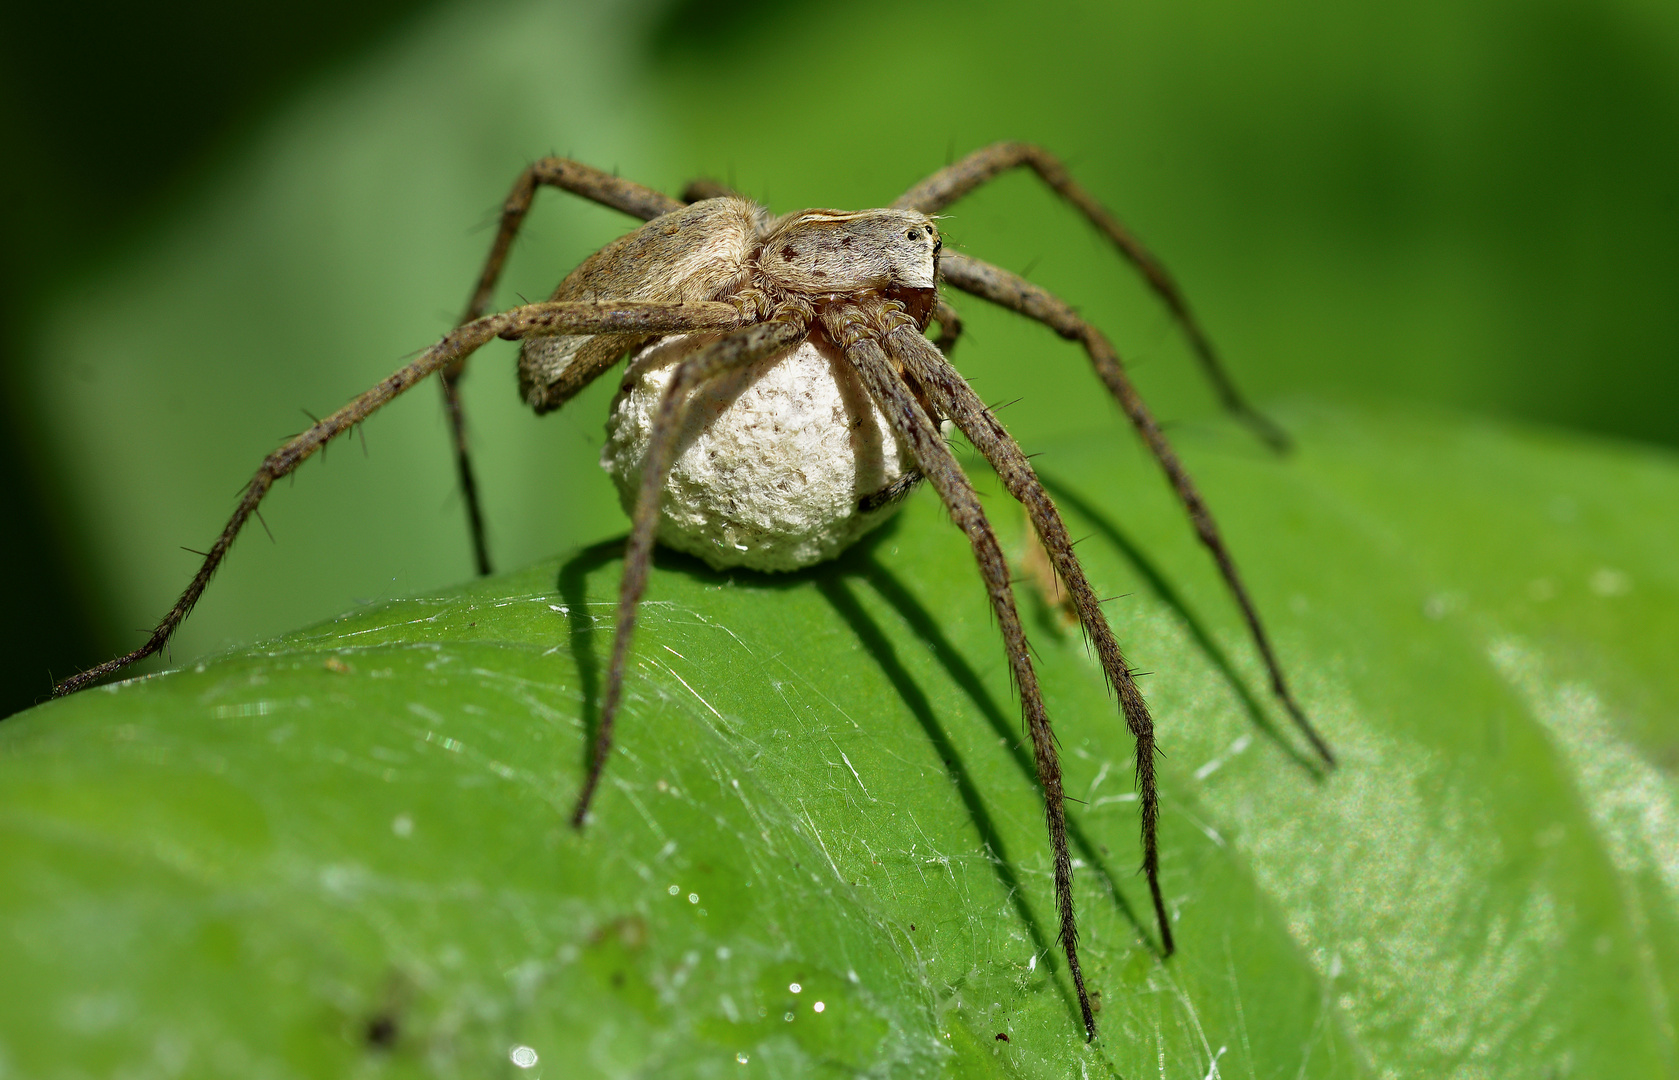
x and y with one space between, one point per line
954 181
852 329
950 326
950 329
1017 294
948 392
734 350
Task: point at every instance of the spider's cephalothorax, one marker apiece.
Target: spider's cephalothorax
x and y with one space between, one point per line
731 249
780 399
780 463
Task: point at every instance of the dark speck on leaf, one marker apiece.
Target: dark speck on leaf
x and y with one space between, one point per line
1002 1036
381 1031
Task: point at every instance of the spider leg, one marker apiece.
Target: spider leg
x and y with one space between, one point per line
706 188
949 393
954 181
731 351
849 327
572 176
897 491
950 329
553 317
950 326
456 412
579 179
1019 295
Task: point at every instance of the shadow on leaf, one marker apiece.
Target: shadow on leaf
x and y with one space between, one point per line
1163 590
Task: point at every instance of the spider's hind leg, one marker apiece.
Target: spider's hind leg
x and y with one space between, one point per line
848 326
567 175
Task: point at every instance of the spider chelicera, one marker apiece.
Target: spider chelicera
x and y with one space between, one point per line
828 310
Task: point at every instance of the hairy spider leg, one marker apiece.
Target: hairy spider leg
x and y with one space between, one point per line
733 350
706 188
950 394
954 181
561 317
634 199
579 179
1019 295
950 326
849 326
456 412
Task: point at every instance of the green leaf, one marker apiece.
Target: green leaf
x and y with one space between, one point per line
346 852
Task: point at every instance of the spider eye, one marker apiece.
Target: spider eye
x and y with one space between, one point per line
914 234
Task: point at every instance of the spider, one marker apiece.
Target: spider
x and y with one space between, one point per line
827 310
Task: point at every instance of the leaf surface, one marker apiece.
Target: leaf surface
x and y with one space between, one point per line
819 849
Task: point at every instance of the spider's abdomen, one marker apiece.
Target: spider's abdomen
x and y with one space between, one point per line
701 252
772 460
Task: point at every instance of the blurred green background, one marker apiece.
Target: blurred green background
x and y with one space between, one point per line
217 218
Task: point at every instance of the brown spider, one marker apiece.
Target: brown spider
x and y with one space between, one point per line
714 287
